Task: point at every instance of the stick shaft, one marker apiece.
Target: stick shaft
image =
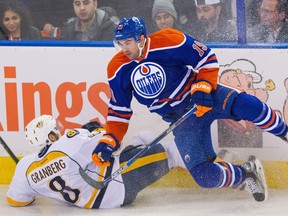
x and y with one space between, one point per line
8 150
105 182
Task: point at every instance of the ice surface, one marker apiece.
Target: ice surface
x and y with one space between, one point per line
165 202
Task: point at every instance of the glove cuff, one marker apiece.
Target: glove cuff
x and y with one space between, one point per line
111 140
201 85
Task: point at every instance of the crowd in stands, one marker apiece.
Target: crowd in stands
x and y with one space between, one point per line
95 20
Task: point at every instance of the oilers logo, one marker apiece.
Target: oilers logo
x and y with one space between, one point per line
148 79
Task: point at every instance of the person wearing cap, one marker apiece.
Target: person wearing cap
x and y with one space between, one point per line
164 14
213 25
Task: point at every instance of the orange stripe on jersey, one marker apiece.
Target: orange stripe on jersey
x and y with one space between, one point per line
167 37
270 122
118 129
212 58
187 88
165 100
228 173
209 74
119 59
120 115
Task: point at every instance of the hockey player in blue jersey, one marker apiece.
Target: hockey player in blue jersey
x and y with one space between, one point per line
169 72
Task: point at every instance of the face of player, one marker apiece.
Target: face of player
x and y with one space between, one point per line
208 14
12 22
53 136
130 47
85 9
269 15
164 20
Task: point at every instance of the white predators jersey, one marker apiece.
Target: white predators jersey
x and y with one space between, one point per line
55 174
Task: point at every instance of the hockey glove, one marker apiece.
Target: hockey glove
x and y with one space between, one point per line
201 96
103 151
93 126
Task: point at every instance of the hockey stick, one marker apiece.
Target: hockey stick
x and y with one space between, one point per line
8 150
99 185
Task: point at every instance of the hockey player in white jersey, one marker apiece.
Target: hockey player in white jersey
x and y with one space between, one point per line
54 170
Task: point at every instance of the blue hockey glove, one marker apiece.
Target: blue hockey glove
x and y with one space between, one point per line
103 151
201 96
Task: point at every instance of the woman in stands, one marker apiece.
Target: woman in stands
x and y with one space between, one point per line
15 22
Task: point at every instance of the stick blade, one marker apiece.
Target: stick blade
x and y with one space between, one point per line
95 184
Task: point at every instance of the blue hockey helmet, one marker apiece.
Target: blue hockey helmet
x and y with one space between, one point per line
132 27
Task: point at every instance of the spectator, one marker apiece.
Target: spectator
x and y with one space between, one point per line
164 14
91 23
273 25
186 11
49 15
2 34
16 22
129 8
213 25
251 17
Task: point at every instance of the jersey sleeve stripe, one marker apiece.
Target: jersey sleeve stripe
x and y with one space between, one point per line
116 119
178 95
145 160
122 115
120 108
206 60
15 203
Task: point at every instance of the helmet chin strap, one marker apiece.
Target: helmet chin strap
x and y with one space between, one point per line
141 48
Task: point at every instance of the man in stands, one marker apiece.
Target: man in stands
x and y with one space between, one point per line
91 23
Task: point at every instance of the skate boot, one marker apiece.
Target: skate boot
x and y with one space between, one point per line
255 181
284 138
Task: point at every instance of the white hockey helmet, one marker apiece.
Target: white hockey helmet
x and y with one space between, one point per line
37 131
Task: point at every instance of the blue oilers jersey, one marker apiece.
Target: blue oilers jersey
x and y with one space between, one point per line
161 79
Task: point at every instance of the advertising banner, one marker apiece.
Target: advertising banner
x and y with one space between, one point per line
71 84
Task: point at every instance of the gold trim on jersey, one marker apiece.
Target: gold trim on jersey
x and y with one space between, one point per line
15 203
144 161
96 191
49 157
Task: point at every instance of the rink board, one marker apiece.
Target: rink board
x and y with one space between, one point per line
275 171
70 83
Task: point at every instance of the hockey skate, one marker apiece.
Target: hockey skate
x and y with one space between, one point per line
285 138
255 181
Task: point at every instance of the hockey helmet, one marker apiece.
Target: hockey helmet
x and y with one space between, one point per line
132 27
37 131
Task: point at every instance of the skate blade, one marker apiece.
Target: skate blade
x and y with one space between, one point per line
260 172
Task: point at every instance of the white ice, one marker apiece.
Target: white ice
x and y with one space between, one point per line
164 202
